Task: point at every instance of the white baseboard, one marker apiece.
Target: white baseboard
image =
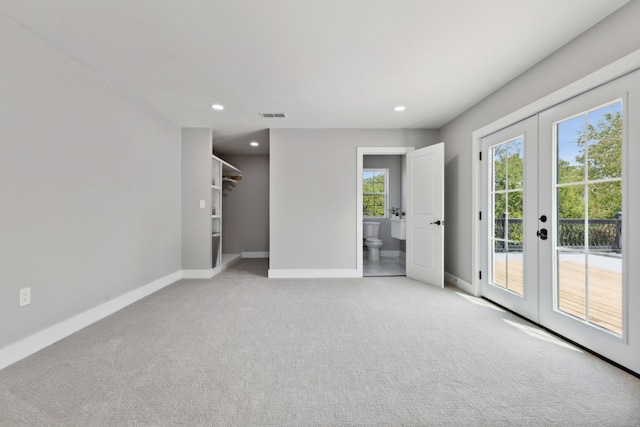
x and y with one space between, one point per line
199 274
36 342
313 274
226 261
459 283
255 254
389 254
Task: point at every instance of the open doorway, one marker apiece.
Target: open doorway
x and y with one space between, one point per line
392 251
423 194
383 179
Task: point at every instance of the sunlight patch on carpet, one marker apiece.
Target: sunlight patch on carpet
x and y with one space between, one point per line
542 335
480 301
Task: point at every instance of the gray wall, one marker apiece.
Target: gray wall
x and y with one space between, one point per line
196 186
90 187
245 210
394 164
313 174
611 39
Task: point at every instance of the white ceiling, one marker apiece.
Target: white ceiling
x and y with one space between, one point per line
326 64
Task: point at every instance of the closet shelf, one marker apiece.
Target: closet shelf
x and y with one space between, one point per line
229 169
222 182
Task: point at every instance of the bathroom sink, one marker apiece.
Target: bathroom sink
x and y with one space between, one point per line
399 229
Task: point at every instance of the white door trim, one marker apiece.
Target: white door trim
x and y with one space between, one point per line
617 69
361 152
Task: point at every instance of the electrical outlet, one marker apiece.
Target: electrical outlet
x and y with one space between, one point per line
25 296
202 204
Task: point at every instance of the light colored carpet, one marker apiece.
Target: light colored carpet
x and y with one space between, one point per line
244 350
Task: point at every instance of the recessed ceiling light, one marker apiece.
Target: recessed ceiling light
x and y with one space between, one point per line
217 107
254 144
399 108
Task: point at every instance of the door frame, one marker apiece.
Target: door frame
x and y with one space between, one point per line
604 75
361 152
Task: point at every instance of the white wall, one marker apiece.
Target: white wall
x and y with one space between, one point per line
313 175
90 188
611 39
245 210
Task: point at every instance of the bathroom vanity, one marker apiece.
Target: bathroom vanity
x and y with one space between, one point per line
399 228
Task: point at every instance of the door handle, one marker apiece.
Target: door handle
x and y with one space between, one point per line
542 234
438 222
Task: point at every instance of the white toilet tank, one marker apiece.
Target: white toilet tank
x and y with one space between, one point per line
370 229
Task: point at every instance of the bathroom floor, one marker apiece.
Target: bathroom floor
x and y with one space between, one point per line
387 266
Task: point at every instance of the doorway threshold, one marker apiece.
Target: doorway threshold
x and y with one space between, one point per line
387 266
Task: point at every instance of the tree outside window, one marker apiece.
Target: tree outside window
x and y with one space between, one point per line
374 192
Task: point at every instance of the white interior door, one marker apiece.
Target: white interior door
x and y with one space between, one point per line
425 215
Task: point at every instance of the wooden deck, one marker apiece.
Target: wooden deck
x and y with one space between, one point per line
605 291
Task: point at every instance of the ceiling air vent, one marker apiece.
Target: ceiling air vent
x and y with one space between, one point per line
273 115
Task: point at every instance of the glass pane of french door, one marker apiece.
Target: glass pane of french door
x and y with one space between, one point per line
506 215
588 205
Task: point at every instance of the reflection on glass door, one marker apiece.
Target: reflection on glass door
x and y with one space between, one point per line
506 193
588 202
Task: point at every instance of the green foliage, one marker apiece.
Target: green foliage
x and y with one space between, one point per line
508 174
600 157
373 186
605 148
373 205
603 144
373 182
571 202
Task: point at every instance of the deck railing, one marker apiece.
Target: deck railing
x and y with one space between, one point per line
604 234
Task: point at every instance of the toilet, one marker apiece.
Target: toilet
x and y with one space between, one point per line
370 231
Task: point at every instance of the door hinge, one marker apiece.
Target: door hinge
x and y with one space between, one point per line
480 275
480 216
480 155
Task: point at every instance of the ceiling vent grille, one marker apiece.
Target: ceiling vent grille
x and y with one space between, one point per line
273 115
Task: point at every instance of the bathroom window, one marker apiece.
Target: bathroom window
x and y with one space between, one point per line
374 192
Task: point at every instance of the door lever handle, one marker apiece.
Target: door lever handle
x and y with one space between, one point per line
542 234
438 222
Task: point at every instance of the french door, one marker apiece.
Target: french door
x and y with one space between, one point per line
561 232
510 197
